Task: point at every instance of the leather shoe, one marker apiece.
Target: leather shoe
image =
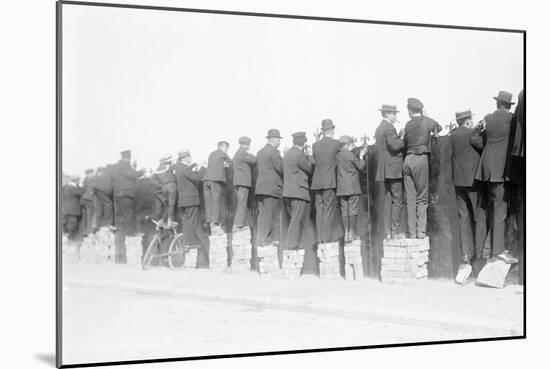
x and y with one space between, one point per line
507 258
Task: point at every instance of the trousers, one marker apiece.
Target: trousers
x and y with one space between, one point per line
393 200
242 210
415 178
269 219
325 213
213 198
498 209
296 209
471 207
104 209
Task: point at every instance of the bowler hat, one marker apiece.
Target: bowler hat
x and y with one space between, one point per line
389 108
273 133
463 114
126 154
327 124
346 139
504 96
183 153
244 140
413 102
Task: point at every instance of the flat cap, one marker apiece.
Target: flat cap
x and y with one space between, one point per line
298 134
245 140
183 153
273 133
165 158
414 103
346 139
223 143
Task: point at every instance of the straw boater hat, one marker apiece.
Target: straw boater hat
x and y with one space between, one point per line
183 153
389 108
165 158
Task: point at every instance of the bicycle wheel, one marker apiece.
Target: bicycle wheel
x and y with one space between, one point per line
177 252
150 252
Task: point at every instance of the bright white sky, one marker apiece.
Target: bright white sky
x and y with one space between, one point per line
156 82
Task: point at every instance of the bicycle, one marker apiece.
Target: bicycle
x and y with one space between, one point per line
176 251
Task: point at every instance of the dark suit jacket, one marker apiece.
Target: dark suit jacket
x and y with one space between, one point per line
390 152
215 171
493 158
242 163
348 167
270 172
103 183
465 157
297 169
124 179
324 153
70 204
88 192
515 166
188 185
417 137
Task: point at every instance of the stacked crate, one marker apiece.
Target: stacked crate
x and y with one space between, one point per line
191 256
293 260
268 261
405 261
217 254
241 248
329 260
353 261
98 247
134 249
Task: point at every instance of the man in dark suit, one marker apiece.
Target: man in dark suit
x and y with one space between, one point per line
242 180
166 193
214 186
124 189
390 170
297 167
87 222
189 177
269 189
491 171
102 187
417 139
70 206
329 226
466 147
348 167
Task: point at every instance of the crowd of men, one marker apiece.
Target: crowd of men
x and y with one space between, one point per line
485 156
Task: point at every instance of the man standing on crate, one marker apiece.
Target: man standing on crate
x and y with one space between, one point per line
328 224
242 180
348 167
87 223
124 189
298 166
470 202
269 189
491 172
102 186
390 170
70 206
167 191
215 186
189 176
417 139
